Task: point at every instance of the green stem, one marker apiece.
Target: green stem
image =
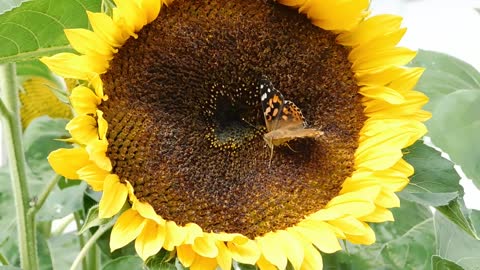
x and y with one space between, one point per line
81 238
3 260
93 258
44 195
91 242
17 164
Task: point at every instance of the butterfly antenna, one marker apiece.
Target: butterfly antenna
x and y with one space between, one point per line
248 123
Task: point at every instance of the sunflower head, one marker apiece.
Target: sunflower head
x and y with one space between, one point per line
178 120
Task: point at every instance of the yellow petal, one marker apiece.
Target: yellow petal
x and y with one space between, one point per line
67 162
128 227
131 13
84 100
193 231
366 239
387 199
383 58
175 235
102 126
93 175
335 15
150 241
320 234
291 246
202 263
87 42
83 129
224 258
97 150
146 210
151 9
362 208
349 225
82 67
205 247
106 29
367 194
388 40
113 198
186 255
263 264
313 259
369 29
247 252
383 93
379 215
272 251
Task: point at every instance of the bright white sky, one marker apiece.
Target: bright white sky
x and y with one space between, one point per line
449 26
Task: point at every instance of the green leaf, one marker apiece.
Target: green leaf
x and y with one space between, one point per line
407 243
460 215
7 212
63 249
435 181
92 220
40 138
453 87
241 266
475 217
455 244
7 5
8 267
62 202
34 68
162 261
439 263
35 28
124 263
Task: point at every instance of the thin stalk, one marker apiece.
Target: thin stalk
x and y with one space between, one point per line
13 135
3 260
91 242
81 238
60 228
44 195
93 258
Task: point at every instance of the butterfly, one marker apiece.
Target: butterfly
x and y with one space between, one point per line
283 119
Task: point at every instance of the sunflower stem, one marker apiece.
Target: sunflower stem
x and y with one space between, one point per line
91 242
3 260
81 237
17 164
92 258
62 226
44 195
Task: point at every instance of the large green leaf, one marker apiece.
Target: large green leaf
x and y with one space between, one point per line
455 244
63 249
435 181
407 243
124 263
439 263
453 87
41 138
36 28
62 202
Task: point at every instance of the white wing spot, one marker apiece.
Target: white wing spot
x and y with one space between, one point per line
261 86
268 90
263 97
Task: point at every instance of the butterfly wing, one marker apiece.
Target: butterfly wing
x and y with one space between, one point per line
272 103
291 117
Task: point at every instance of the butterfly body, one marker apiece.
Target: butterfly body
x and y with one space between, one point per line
283 119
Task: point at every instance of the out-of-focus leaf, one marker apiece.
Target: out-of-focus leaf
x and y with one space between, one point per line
453 87
7 5
163 260
34 68
40 138
408 243
63 249
44 260
241 266
8 267
92 220
455 244
460 215
439 263
475 217
36 28
7 212
62 202
435 181
125 263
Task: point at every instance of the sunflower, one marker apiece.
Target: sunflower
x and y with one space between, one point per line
38 99
171 122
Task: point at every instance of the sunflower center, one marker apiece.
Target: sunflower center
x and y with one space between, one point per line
186 124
